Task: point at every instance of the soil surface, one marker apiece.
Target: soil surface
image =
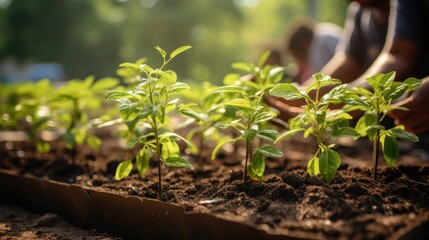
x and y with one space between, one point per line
16 223
352 206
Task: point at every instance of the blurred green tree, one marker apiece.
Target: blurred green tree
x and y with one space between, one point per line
93 37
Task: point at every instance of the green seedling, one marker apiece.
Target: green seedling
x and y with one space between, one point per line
251 115
75 108
148 103
28 110
376 105
320 121
209 111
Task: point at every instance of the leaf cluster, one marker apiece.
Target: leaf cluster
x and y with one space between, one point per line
245 97
74 107
320 121
148 104
376 104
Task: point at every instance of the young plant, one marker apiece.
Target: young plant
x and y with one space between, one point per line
30 111
376 105
320 121
247 98
148 103
72 106
209 111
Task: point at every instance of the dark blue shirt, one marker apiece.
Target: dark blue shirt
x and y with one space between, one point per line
412 23
363 37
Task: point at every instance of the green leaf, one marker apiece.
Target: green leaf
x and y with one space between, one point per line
173 135
257 167
276 74
229 89
239 103
269 151
390 150
130 65
372 130
166 77
325 80
192 114
361 126
345 132
329 161
357 102
263 58
220 145
380 80
177 161
40 122
139 140
299 121
289 133
313 166
142 161
370 119
105 83
270 135
161 51
262 117
395 91
79 136
404 135
70 140
148 110
131 124
123 170
286 91
179 87
128 110
179 51
335 95
242 66
308 131
413 83
321 116
231 78
93 141
250 134
169 148
43 147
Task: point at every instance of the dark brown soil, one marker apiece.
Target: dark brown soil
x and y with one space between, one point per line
353 205
16 223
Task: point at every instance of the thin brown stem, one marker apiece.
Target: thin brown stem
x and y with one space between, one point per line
159 179
375 154
247 159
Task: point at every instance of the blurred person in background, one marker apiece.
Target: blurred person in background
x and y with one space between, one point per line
361 42
312 45
407 52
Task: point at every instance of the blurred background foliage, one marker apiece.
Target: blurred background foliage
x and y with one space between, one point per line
93 37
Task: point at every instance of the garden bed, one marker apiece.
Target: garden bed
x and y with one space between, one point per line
211 200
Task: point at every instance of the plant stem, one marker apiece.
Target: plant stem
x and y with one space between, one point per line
202 149
158 152
247 159
376 146
376 149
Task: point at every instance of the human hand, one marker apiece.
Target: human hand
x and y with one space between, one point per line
285 111
416 119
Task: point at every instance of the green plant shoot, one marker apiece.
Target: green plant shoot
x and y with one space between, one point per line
320 121
209 111
149 102
247 98
376 105
74 105
32 111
